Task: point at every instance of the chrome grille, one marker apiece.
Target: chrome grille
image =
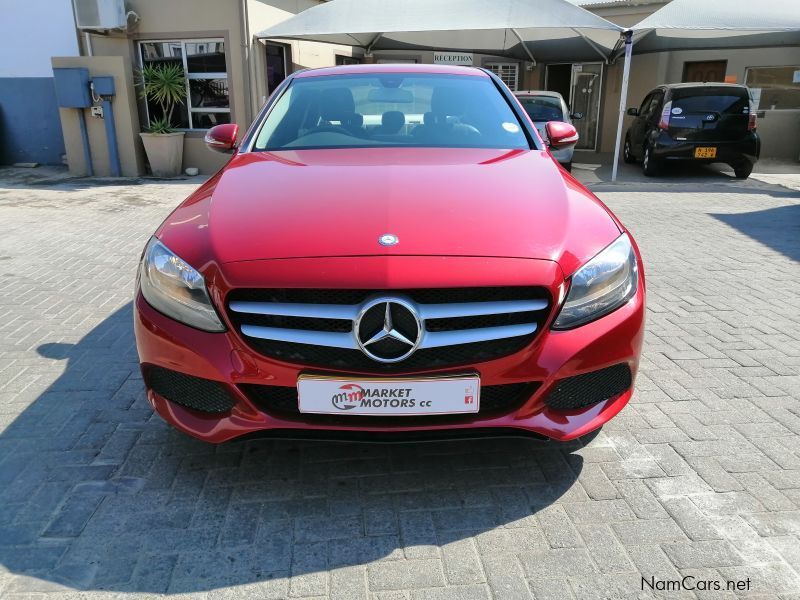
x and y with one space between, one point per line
459 325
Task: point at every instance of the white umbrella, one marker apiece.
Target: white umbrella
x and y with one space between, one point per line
527 29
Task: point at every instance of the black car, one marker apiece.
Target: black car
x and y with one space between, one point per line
705 122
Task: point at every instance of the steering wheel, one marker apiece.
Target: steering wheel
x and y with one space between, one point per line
467 129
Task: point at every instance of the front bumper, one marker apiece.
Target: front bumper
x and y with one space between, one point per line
615 339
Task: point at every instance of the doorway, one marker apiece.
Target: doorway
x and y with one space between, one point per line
347 60
702 71
558 78
580 84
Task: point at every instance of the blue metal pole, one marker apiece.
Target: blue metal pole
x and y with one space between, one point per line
111 138
87 152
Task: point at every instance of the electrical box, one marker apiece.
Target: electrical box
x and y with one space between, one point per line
100 14
72 87
103 85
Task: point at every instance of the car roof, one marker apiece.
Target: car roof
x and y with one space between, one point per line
705 84
393 68
538 93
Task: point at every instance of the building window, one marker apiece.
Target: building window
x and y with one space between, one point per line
774 88
396 61
347 60
704 71
507 72
203 61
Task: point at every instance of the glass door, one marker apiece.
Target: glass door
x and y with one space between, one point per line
584 98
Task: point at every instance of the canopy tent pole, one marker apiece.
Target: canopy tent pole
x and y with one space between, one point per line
594 46
527 50
623 98
374 41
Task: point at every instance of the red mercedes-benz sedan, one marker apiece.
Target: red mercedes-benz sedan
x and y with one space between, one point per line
391 252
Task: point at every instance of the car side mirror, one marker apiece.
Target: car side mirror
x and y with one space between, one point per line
576 116
561 135
222 138
634 112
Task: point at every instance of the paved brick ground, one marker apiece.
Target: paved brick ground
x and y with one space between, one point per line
699 476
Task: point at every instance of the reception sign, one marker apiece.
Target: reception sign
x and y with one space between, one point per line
452 58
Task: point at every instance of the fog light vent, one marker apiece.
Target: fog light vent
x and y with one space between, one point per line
580 391
192 392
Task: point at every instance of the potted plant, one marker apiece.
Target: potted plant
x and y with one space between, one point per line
164 85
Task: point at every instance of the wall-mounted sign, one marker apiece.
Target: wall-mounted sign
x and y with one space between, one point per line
452 58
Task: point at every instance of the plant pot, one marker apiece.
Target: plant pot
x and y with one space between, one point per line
164 152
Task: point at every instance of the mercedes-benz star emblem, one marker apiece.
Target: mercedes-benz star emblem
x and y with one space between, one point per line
388 330
388 239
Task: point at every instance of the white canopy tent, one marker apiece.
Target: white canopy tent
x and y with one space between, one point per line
693 24
689 24
543 30
524 29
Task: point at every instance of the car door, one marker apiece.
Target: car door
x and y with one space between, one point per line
637 131
651 118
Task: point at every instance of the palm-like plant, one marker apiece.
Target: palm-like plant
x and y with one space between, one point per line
164 84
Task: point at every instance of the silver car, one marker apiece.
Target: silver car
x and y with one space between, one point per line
544 106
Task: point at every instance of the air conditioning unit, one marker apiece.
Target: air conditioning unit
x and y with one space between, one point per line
100 14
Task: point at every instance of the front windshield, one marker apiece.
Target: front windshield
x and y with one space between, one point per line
390 110
542 108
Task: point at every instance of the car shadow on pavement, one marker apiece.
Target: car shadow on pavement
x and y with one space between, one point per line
777 228
99 494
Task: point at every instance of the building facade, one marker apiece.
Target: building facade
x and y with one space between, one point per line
230 74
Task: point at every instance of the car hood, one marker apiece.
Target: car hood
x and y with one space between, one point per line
437 202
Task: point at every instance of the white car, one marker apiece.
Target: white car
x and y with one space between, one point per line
544 106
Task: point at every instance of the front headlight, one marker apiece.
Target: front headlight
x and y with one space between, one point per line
600 286
174 288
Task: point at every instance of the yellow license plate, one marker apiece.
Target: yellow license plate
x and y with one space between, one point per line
704 152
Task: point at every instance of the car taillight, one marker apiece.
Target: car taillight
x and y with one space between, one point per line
664 122
751 122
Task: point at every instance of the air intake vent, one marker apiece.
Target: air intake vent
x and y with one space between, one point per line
199 394
281 401
573 393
